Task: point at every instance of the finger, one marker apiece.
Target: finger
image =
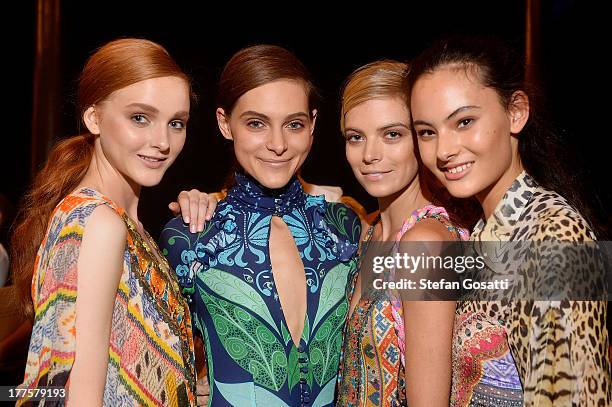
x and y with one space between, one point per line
194 196
212 205
174 208
202 400
203 379
183 200
202 210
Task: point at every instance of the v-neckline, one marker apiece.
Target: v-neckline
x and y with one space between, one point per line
275 289
364 248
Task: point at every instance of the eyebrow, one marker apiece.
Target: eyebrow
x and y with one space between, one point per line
266 118
383 128
182 114
450 116
144 107
389 126
352 129
461 109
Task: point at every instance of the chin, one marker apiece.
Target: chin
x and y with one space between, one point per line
458 191
376 191
149 181
274 181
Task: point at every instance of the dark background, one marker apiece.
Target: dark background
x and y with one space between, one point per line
570 61
331 44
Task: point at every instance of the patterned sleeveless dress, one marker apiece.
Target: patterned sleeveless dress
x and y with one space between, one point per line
372 370
150 354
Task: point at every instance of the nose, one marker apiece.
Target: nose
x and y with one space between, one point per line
276 142
160 138
372 152
448 146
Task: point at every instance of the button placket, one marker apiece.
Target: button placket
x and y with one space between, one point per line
304 387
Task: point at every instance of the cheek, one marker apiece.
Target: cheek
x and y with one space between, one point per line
493 143
428 155
300 143
178 142
113 142
353 155
245 143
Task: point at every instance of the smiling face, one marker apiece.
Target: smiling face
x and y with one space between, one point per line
271 127
379 146
465 133
142 128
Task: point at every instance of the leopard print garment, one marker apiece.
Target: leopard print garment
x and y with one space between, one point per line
533 352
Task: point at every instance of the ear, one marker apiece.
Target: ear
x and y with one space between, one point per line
518 110
314 121
223 123
91 120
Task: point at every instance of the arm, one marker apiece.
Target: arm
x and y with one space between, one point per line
428 328
100 266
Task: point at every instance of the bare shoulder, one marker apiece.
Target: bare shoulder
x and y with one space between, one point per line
103 241
428 230
105 224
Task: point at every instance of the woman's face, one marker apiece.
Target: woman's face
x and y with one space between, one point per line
142 128
271 127
465 134
379 146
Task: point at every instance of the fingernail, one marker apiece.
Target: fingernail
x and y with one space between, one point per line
192 228
186 219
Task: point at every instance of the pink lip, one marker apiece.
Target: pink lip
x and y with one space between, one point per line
275 163
152 164
374 175
456 176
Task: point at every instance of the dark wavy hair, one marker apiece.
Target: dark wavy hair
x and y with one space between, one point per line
543 152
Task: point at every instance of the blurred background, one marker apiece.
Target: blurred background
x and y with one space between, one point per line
50 40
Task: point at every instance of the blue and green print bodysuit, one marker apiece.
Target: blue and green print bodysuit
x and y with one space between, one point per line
225 272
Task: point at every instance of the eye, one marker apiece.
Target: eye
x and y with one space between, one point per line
177 124
353 138
295 125
393 135
425 133
465 122
255 124
139 119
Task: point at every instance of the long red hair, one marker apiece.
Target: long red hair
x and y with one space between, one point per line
114 66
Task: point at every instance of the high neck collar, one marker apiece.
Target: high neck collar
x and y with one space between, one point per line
250 194
509 209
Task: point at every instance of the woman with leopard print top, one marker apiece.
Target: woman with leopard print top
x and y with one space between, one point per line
477 133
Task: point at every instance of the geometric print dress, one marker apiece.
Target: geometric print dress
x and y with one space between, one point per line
150 354
372 369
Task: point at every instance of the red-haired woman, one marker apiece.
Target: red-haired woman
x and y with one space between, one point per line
110 324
